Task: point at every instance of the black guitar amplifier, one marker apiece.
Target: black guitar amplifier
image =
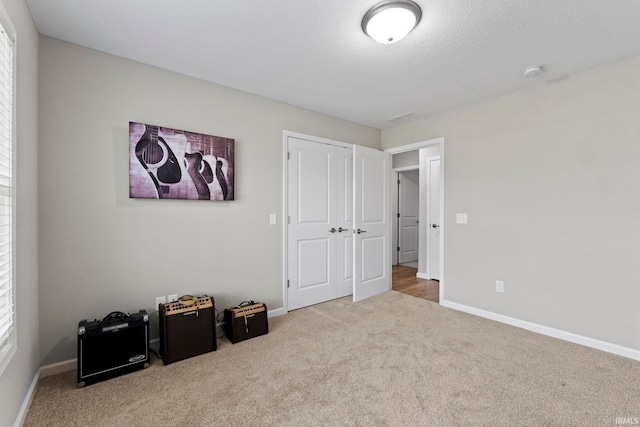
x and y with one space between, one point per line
248 320
115 345
187 328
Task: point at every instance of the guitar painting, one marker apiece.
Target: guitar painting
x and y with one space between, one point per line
166 163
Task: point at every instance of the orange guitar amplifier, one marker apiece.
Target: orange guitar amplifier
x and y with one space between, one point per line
187 328
247 320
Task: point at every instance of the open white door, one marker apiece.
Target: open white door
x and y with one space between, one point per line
372 222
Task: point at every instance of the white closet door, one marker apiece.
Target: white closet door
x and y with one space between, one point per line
372 222
312 198
320 234
321 244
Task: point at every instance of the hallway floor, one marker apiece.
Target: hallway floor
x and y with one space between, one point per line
404 280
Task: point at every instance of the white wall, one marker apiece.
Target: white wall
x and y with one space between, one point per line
100 250
17 377
550 179
406 159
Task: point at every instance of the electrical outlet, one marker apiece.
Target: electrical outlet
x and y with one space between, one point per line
172 298
461 218
160 300
499 286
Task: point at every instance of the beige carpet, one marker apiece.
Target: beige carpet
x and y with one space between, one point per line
390 360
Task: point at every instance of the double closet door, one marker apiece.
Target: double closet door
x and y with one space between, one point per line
337 237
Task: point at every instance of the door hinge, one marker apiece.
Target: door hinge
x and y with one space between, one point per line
398 214
398 248
287 283
288 155
398 182
288 219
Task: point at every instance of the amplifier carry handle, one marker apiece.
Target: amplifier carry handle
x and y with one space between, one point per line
187 300
113 314
245 303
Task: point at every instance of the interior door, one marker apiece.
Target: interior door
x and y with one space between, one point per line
320 229
408 216
312 216
433 208
372 222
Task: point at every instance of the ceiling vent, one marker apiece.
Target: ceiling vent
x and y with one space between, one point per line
402 118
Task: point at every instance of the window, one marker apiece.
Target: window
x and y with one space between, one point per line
7 316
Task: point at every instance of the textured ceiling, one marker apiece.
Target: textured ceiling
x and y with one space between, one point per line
313 54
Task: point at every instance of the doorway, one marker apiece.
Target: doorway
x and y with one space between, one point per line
427 158
407 237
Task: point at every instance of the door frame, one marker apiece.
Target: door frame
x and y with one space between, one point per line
395 232
416 146
285 201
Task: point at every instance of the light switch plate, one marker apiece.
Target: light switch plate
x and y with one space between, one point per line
461 218
272 219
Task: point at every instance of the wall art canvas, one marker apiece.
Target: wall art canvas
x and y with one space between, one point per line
167 163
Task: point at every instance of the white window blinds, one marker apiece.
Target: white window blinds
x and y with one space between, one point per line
7 317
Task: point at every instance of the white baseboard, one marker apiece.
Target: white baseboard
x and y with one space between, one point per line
422 276
58 368
545 330
26 404
277 312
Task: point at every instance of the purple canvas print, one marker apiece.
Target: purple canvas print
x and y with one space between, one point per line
167 163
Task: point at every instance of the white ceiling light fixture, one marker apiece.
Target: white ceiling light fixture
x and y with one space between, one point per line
389 21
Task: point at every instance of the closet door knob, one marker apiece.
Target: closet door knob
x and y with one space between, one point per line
361 231
333 230
340 229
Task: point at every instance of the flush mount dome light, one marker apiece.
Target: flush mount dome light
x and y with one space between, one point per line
389 21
